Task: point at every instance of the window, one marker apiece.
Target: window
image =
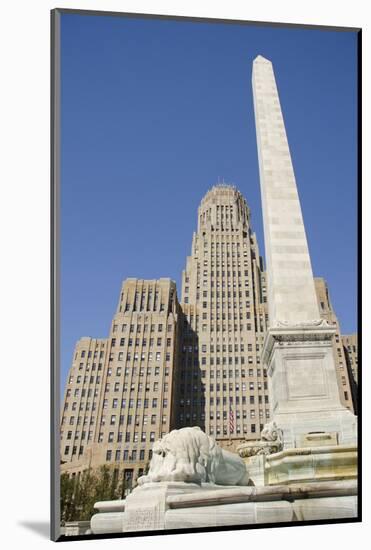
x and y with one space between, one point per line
108 455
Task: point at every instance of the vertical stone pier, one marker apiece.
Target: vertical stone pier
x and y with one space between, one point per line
297 351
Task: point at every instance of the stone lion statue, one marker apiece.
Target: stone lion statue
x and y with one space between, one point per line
190 455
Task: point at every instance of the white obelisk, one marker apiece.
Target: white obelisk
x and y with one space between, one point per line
298 351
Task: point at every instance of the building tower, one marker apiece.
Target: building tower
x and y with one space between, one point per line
81 399
222 386
128 393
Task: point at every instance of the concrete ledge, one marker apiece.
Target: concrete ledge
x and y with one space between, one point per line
105 506
263 494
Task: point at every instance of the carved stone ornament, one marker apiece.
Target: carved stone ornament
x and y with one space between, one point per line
304 324
271 432
271 442
191 456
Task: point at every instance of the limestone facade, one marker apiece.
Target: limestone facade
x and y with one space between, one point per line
82 397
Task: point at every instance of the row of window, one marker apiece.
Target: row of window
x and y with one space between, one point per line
142 371
227 305
79 420
217 360
115 403
223 347
139 386
221 283
129 437
84 434
131 403
138 328
139 356
135 404
225 245
222 294
90 380
93 366
84 392
226 429
212 327
90 354
236 386
89 406
84 379
222 374
223 273
127 456
138 342
148 307
197 401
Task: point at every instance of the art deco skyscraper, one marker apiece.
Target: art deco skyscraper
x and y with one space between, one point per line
222 385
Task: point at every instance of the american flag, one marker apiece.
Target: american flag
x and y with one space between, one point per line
231 420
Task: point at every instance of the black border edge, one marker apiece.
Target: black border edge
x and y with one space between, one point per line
196 530
56 13
54 276
359 264
197 19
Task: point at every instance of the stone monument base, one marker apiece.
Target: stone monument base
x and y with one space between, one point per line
180 505
301 465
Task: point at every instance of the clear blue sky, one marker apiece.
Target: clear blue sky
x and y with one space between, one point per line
153 112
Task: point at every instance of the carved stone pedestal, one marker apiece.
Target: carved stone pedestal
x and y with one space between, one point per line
303 385
158 506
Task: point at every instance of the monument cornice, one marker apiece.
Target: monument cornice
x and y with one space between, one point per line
308 331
